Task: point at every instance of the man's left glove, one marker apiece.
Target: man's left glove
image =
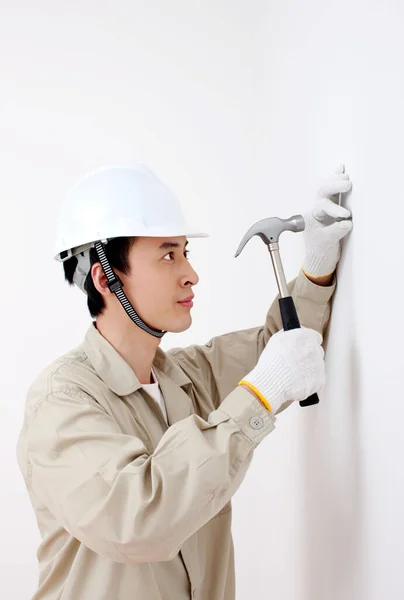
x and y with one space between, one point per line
323 233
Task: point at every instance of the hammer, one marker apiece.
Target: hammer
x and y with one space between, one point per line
269 231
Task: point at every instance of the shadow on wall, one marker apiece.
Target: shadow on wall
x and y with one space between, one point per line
330 462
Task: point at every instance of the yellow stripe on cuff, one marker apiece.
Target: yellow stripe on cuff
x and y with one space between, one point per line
257 392
317 276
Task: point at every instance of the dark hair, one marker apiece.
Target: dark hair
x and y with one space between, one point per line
117 252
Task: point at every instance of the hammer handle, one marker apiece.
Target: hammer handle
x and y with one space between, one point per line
290 320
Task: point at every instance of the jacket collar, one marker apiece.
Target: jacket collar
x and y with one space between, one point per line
115 372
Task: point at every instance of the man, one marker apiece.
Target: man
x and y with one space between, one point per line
131 455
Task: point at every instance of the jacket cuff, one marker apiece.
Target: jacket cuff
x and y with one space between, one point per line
253 419
312 302
318 293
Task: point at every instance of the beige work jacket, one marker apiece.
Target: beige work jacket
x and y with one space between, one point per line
128 508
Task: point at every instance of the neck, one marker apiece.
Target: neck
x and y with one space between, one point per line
136 347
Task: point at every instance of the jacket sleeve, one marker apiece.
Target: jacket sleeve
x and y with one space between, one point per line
227 358
106 490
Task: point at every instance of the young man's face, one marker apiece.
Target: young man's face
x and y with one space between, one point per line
160 278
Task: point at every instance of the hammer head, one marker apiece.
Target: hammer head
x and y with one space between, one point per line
269 230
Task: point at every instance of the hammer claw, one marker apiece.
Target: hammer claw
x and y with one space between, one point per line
270 229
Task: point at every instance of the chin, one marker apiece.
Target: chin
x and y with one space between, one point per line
178 327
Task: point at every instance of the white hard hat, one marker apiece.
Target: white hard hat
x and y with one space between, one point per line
118 201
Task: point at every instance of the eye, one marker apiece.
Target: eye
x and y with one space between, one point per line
172 256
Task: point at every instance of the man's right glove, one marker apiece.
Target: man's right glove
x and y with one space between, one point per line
290 368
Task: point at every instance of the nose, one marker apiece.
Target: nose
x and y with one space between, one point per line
190 277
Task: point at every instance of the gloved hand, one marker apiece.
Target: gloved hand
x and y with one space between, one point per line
323 233
291 367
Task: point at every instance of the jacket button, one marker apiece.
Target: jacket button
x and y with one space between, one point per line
256 423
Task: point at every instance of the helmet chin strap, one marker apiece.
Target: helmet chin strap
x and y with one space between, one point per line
115 285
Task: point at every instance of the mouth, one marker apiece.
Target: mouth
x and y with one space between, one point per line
187 302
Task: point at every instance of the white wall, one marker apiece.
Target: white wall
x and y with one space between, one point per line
328 488
242 109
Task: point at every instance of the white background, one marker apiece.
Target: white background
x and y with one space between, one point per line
242 108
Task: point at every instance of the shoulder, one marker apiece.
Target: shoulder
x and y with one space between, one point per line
72 374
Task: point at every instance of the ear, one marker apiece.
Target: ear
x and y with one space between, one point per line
100 279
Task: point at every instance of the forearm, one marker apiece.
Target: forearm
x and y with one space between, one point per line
312 301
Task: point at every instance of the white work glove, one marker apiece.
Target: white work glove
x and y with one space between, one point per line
291 367
323 233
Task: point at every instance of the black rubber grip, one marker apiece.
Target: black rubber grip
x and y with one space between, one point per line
290 320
